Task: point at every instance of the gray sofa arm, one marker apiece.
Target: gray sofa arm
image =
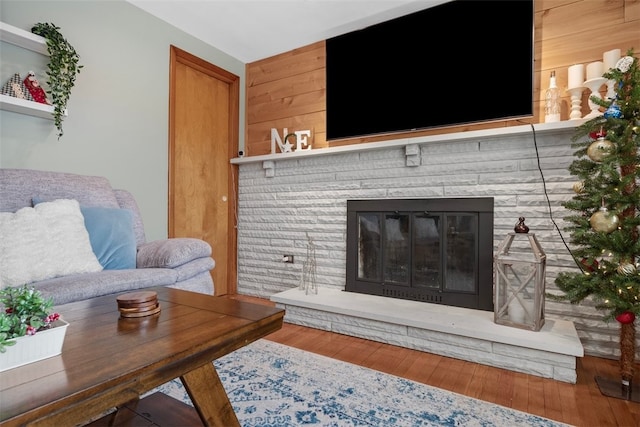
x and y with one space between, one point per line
194 268
171 253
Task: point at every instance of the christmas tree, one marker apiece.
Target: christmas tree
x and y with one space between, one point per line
604 219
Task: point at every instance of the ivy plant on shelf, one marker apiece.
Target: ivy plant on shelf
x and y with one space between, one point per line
64 66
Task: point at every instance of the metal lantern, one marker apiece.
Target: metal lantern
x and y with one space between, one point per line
520 265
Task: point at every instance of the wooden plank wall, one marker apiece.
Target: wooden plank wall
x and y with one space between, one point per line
288 90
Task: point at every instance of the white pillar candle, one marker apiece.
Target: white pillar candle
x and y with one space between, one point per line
516 311
595 70
576 76
610 58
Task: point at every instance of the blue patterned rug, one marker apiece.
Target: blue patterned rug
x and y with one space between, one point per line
273 385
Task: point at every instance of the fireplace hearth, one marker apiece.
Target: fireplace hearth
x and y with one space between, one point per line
430 250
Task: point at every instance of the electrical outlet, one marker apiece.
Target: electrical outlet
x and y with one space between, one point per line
287 258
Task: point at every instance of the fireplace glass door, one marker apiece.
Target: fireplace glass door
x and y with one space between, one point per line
410 250
427 255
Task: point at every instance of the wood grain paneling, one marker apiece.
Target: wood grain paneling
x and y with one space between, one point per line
558 17
288 64
287 90
632 11
286 106
309 81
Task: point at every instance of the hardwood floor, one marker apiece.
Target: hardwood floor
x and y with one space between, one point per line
581 404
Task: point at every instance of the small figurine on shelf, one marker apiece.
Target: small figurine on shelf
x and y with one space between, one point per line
16 88
36 91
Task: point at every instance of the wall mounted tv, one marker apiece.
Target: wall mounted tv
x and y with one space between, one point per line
456 63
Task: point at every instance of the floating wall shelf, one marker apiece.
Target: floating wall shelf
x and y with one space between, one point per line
23 39
35 43
22 106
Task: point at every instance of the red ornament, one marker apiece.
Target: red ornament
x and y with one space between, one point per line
598 134
626 317
589 267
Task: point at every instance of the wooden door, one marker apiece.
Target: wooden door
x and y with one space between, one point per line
203 137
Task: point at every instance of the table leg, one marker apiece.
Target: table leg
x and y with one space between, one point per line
209 397
122 414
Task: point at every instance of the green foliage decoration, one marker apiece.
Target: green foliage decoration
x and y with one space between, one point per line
24 312
62 70
612 182
607 250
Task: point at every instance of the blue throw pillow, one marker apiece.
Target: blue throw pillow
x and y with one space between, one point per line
111 234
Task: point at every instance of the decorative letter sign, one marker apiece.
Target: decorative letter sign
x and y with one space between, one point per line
284 143
301 137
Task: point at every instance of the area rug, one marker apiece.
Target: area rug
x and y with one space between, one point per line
273 385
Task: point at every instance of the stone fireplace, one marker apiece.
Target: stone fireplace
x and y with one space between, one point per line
431 250
285 198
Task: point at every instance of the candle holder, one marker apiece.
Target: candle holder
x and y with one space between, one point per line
308 282
594 86
576 102
520 282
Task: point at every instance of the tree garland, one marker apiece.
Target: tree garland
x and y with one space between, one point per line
604 225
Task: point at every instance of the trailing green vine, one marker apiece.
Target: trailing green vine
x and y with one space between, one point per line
62 69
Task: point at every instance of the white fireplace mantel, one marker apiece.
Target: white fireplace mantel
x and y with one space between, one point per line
540 128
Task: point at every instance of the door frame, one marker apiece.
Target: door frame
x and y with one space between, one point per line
176 56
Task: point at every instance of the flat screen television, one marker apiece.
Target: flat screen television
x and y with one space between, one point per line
456 63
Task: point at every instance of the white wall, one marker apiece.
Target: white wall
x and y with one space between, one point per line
118 112
309 194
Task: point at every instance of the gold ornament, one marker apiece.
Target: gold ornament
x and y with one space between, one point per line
578 187
604 221
626 269
599 149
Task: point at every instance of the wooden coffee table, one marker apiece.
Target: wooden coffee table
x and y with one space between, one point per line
108 361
